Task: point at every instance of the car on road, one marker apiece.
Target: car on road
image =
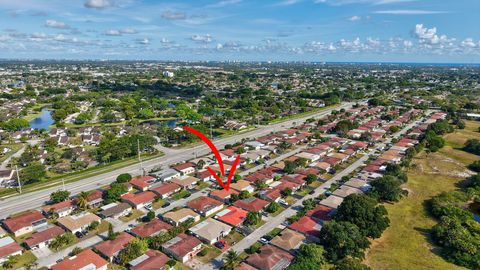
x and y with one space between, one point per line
148 207
265 239
312 192
167 204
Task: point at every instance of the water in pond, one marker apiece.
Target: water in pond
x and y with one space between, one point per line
172 123
43 121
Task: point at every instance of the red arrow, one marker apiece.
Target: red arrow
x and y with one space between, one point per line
209 143
230 174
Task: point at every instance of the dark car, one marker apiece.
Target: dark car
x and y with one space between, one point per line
312 192
167 204
79 234
187 195
219 245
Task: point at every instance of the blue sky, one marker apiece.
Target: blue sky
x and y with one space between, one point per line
263 30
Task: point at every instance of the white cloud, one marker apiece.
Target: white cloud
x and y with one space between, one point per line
98 4
225 3
128 31
202 38
144 41
408 12
287 2
113 32
56 24
469 43
38 36
429 35
170 15
355 18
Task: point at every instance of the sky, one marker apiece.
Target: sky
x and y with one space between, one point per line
433 31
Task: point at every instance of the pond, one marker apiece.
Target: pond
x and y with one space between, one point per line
43 121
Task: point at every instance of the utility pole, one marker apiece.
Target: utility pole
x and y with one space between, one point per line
63 184
18 179
211 132
139 157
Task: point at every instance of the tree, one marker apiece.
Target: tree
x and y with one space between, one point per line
308 204
387 188
200 164
475 166
59 196
93 226
243 194
33 173
150 216
272 207
253 218
115 192
310 256
342 239
124 177
82 200
311 178
111 233
363 211
472 146
286 192
350 264
290 167
231 260
134 250
16 124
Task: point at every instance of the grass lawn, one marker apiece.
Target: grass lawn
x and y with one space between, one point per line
406 244
315 184
133 215
211 253
179 195
455 141
22 260
276 213
180 266
202 185
290 200
233 236
303 192
274 232
13 149
158 204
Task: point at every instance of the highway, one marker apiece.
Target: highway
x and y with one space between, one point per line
36 199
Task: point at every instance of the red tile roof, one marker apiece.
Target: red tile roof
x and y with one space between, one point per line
182 244
244 266
320 212
111 247
151 228
234 217
222 193
44 235
81 260
203 202
270 258
307 225
26 219
156 260
142 181
165 188
9 249
139 198
95 195
251 204
184 166
59 206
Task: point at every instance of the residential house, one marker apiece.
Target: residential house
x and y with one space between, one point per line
95 198
183 247
166 189
25 223
185 168
84 260
150 260
307 226
111 248
343 191
186 182
270 257
181 215
232 215
142 183
60 209
254 145
151 228
115 210
139 200
244 266
358 183
223 195
252 204
9 248
288 240
308 156
43 237
228 154
167 174
205 176
79 222
332 201
210 230
205 206
320 213
242 185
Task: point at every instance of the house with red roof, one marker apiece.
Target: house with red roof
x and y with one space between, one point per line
151 228
60 209
320 213
271 195
9 248
95 198
142 183
150 260
185 168
183 247
43 237
111 248
270 258
205 176
252 204
222 194
228 154
308 226
232 215
26 222
139 200
205 206
86 259
166 189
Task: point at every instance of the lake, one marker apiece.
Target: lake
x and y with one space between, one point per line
42 121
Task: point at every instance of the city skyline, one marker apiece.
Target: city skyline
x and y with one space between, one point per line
242 30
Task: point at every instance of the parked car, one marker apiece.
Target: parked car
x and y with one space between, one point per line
265 239
312 192
167 204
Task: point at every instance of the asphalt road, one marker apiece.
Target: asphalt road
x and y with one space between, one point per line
36 199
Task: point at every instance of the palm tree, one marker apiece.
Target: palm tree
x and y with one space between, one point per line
231 260
82 200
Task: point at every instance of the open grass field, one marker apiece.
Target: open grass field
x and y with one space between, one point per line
406 244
